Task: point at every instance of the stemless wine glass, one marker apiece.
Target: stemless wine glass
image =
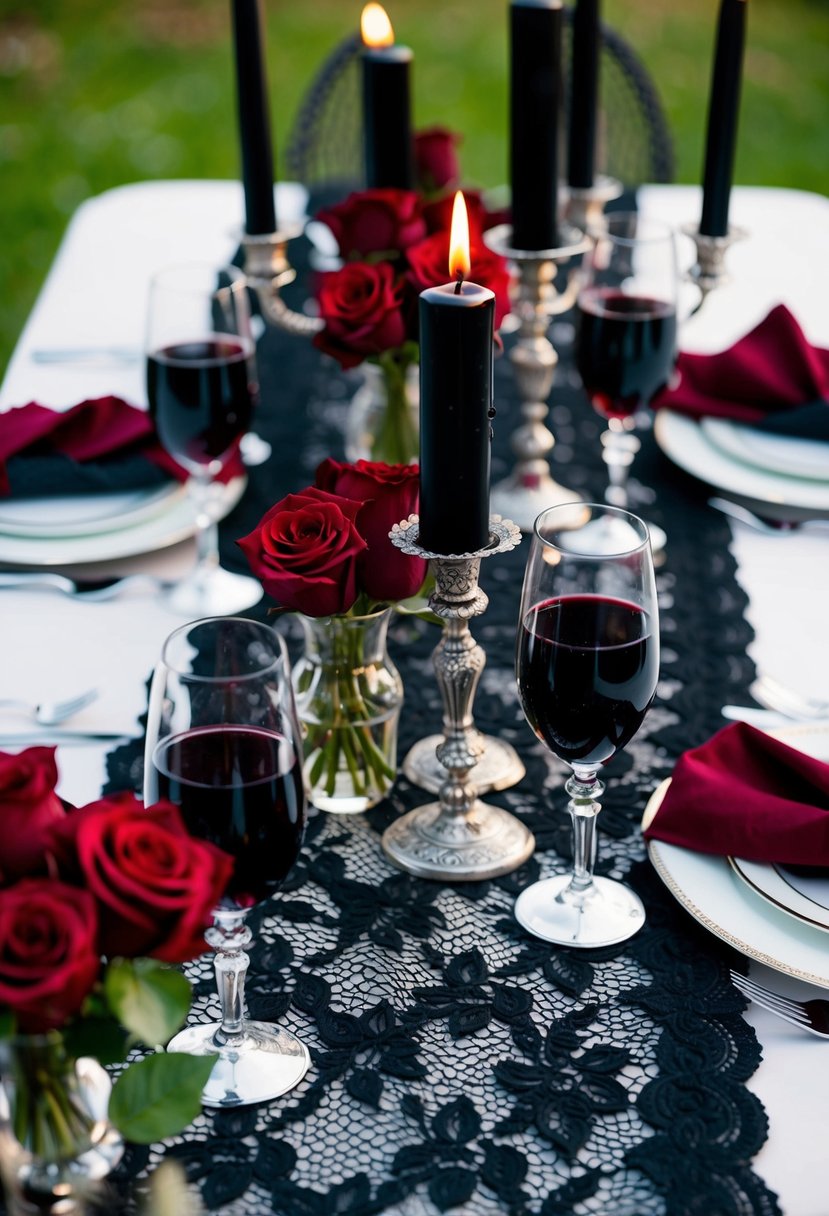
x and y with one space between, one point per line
587 664
201 388
626 334
223 744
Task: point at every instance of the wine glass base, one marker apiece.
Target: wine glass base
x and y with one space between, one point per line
254 449
267 1062
219 593
522 498
610 913
498 767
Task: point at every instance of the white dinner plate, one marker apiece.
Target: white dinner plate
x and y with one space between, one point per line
710 889
86 514
173 522
683 440
774 453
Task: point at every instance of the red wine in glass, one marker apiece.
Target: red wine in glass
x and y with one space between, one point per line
587 670
201 396
239 787
625 349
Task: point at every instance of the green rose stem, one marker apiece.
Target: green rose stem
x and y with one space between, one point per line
397 438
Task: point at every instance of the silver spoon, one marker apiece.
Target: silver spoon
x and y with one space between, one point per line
52 713
769 527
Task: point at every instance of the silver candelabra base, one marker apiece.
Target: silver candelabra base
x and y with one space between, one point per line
709 271
585 208
459 838
268 271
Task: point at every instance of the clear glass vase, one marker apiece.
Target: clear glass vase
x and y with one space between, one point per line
383 417
349 695
56 1143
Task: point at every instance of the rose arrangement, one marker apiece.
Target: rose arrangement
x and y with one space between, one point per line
394 244
325 553
95 903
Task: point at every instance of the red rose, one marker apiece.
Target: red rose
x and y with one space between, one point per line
304 552
389 493
155 884
375 221
429 261
436 161
28 808
362 307
49 958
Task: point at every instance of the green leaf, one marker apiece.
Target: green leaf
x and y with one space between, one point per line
101 1037
151 1000
158 1097
7 1023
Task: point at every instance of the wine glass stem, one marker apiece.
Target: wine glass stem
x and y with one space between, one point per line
619 446
207 530
229 936
584 789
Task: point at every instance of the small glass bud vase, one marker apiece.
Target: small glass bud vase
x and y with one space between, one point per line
383 420
56 1143
349 695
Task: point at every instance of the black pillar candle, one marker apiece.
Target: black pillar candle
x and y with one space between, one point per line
254 120
584 83
723 111
535 91
387 127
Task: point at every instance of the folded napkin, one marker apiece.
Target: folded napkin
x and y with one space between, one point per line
99 445
772 379
745 794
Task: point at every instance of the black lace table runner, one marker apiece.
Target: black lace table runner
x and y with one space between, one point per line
458 1063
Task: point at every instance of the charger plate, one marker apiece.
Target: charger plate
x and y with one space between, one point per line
773 453
169 522
713 892
684 441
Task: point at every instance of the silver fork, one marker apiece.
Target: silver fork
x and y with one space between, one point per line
37 581
52 713
769 527
808 1015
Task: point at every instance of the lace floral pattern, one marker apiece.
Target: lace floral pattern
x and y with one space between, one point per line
457 1063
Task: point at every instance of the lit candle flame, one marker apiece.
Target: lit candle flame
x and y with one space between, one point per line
375 27
459 239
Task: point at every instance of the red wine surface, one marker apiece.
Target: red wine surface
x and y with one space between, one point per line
625 349
240 788
587 669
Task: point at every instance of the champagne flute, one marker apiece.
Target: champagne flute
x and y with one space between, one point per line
201 388
587 664
224 745
626 336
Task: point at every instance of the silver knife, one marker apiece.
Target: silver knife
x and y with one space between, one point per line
60 738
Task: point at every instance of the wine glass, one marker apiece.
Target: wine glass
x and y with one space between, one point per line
224 745
587 664
626 335
201 388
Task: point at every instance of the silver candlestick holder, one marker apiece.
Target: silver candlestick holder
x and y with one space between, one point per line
709 271
531 488
268 270
458 838
585 207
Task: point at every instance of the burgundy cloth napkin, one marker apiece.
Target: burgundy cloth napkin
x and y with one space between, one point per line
772 379
745 794
104 444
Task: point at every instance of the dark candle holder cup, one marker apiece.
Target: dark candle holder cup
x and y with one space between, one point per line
459 838
709 271
530 488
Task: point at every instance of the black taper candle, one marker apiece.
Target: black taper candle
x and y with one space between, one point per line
584 87
535 94
723 112
387 123
253 115
456 351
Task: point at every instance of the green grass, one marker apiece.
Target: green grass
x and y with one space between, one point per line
95 93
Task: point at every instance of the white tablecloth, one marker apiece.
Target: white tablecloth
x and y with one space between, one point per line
95 295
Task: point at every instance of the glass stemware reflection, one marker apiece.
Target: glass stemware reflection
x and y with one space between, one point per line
587 665
201 389
224 745
627 333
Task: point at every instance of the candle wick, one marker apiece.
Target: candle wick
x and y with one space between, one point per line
459 283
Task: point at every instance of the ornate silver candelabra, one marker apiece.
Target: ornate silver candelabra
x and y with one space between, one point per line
530 487
585 207
710 271
268 270
458 838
